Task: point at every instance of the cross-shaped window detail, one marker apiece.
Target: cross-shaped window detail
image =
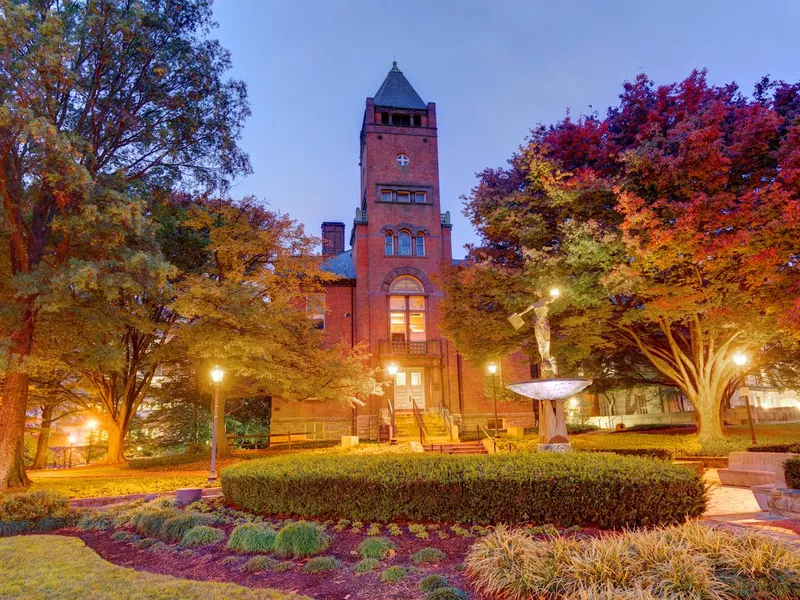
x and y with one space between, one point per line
403 160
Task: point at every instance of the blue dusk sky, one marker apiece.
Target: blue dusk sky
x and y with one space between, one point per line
494 69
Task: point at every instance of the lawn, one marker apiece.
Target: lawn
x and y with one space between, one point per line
51 567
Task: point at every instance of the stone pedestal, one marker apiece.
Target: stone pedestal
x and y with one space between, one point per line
559 448
552 423
188 495
349 441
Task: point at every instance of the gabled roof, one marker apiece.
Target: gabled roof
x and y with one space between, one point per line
396 92
341 264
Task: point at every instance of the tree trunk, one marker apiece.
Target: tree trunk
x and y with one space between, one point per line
40 462
707 411
223 448
12 431
116 444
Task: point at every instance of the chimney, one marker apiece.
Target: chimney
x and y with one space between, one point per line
332 238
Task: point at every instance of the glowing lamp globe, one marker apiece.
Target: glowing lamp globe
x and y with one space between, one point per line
392 368
740 359
217 374
492 368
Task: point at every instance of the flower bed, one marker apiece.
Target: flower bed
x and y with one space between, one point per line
577 489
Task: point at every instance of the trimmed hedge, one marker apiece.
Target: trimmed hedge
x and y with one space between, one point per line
572 489
657 453
790 447
35 512
792 469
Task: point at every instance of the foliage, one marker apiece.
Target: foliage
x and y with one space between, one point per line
428 555
251 538
375 548
792 469
150 520
34 506
258 564
658 453
81 485
301 539
394 574
433 582
282 566
64 568
793 447
689 561
366 565
578 428
446 593
321 564
603 490
669 225
202 535
174 529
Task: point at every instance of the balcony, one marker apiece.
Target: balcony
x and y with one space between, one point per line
394 348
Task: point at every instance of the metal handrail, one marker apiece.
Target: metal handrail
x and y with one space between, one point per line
423 430
493 440
391 421
445 415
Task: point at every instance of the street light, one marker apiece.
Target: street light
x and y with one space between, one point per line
216 378
492 368
71 441
740 360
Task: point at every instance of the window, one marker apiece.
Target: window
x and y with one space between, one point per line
404 196
419 197
389 244
404 244
406 313
386 195
419 245
402 120
417 120
315 308
385 118
403 160
405 284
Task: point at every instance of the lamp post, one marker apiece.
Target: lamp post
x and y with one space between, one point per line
492 371
91 425
740 360
71 441
392 369
216 379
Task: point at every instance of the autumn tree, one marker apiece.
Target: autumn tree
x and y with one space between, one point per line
671 224
101 98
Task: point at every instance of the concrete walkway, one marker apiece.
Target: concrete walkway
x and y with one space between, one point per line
736 508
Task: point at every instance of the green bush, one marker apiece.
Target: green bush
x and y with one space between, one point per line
284 565
792 469
252 538
301 539
258 564
202 535
689 561
793 447
321 564
34 506
366 565
446 593
578 428
149 520
657 453
394 574
97 521
375 548
175 528
574 489
428 555
433 582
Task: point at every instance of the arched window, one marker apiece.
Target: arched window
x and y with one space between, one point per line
404 244
407 310
389 244
419 245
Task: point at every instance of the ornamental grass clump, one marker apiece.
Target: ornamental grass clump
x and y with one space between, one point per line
252 538
446 593
321 564
394 574
433 582
301 539
257 564
202 535
600 490
149 520
375 548
679 562
366 565
174 528
428 556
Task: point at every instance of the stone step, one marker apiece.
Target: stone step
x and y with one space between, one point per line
456 448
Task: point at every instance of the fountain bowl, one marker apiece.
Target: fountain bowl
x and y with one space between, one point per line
550 389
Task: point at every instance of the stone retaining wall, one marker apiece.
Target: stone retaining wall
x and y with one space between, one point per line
784 502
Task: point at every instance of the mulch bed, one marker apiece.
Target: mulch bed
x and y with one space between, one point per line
342 584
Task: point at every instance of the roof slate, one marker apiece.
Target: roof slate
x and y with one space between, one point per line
341 264
396 92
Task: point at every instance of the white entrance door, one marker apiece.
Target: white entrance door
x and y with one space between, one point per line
408 385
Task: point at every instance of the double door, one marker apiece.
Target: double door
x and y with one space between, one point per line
409 384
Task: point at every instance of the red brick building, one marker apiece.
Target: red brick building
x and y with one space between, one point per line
387 297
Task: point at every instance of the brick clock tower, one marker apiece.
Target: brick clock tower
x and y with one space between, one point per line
387 298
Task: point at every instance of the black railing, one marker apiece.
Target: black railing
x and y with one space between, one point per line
423 430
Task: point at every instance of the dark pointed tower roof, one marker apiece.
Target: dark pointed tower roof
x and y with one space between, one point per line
396 92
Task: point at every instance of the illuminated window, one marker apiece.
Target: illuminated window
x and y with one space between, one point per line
404 244
405 284
315 308
407 310
389 244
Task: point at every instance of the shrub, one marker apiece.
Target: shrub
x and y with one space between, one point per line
575 489
321 564
120 536
97 521
657 453
34 506
202 535
789 447
145 543
576 428
428 555
689 561
394 574
230 561
375 548
284 565
433 582
175 528
301 539
150 520
252 538
258 564
159 547
366 565
792 469
446 593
